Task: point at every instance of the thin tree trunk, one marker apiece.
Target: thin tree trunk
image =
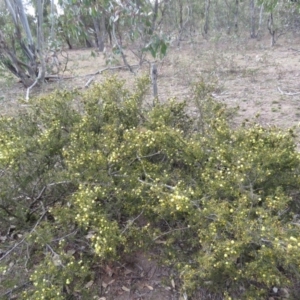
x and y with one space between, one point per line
180 15
206 21
120 49
88 44
180 23
102 27
154 18
260 19
154 80
272 29
100 42
40 77
68 42
236 16
40 42
52 20
192 24
252 17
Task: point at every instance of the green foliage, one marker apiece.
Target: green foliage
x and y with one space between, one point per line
6 78
157 46
95 176
268 4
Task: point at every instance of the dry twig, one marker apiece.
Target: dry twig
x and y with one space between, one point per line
287 93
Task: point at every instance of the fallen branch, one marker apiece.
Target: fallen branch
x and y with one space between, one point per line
57 77
287 93
114 68
53 77
216 96
89 81
101 71
90 74
294 49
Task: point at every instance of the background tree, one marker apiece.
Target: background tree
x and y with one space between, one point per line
139 26
24 57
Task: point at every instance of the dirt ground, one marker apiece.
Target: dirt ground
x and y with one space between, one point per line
251 75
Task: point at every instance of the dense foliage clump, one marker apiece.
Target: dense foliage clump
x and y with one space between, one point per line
88 178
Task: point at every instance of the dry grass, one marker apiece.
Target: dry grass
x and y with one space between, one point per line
248 76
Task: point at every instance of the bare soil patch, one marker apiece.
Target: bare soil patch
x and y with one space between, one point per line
139 278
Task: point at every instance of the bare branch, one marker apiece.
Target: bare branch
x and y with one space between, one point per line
13 290
7 211
287 93
120 49
164 185
102 70
35 82
23 239
130 222
89 82
168 232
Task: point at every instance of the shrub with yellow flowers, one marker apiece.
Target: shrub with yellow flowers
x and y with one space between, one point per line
90 177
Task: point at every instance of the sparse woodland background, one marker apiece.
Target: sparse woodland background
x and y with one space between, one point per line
91 179
31 45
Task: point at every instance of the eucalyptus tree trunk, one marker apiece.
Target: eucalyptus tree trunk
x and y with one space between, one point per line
13 64
29 67
18 15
